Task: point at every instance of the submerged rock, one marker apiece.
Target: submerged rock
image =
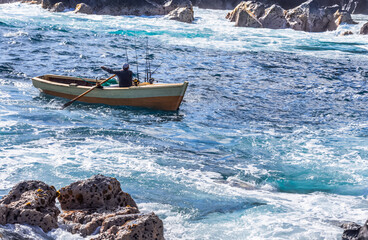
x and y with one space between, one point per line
30 202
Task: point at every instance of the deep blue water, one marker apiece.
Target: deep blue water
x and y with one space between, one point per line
270 142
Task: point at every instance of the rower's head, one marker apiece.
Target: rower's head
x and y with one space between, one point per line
126 66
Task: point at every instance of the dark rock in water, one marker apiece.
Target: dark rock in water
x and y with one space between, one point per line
97 205
363 232
120 7
58 7
94 193
347 33
354 231
83 8
364 29
30 202
8 1
183 14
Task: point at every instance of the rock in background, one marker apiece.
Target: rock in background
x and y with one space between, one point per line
184 14
309 16
31 202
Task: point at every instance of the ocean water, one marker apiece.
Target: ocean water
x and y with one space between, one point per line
270 142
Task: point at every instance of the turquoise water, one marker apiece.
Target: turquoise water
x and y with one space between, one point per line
270 142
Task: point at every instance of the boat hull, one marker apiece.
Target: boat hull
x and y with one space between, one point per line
156 96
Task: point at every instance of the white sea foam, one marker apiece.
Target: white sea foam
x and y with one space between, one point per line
62 146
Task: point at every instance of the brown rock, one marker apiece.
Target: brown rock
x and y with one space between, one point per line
30 202
184 14
256 9
94 193
139 226
246 19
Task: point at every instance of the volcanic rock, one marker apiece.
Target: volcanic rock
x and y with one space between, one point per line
85 222
30 202
134 226
184 14
364 29
98 205
98 192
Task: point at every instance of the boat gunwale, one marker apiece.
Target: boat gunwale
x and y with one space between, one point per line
162 85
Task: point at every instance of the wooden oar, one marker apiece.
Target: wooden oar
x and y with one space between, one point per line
89 90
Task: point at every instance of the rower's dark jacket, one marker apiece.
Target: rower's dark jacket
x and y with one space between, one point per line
125 76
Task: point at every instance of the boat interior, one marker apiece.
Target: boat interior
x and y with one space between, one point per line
69 80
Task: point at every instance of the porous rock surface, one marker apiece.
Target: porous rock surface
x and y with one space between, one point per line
30 202
309 16
99 206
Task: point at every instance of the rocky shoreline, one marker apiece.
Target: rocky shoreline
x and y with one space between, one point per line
309 16
94 207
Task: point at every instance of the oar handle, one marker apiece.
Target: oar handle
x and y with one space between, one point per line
89 90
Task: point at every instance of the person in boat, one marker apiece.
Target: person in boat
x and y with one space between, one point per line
125 76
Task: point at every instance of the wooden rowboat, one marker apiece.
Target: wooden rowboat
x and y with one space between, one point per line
156 96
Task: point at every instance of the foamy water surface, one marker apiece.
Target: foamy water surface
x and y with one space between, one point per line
269 143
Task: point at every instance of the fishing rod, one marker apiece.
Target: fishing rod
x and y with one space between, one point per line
147 79
156 68
136 55
126 49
